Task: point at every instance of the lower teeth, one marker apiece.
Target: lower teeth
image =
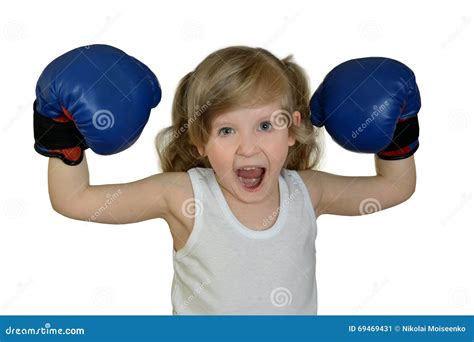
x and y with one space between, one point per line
250 182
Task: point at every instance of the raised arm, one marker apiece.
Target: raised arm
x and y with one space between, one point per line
368 105
72 195
96 97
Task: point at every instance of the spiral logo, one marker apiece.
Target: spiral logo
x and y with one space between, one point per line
281 119
191 208
103 296
370 30
193 31
281 296
460 296
369 206
14 208
103 119
459 120
14 31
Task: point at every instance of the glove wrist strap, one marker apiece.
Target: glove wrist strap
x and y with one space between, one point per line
404 142
52 136
55 135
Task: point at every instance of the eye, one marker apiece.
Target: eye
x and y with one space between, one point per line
224 129
266 124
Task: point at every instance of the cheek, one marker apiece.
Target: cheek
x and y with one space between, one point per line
281 140
220 156
277 150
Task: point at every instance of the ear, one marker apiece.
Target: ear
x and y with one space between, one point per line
201 150
296 120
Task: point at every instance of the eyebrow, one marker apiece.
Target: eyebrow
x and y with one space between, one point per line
218 121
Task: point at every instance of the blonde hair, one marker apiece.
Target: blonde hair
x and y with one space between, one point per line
233 77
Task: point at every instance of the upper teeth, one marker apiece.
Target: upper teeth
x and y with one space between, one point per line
249 168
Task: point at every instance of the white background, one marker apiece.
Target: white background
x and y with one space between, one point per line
415 258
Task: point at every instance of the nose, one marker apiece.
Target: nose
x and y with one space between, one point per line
249 145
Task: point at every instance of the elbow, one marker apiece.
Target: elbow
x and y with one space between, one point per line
65 211
60 210
408 193
412 188
407 189
56 204
56 207
69 207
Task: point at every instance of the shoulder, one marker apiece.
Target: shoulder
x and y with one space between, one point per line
178 191
180 206
312 181
176 179
175 183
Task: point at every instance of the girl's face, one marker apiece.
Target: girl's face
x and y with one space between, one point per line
250 137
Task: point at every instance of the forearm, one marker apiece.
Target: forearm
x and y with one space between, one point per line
66 183
401 174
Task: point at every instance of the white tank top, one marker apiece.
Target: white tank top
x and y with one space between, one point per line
226 268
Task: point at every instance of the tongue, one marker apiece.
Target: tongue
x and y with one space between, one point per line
256 173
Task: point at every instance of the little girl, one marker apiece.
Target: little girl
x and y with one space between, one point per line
239 189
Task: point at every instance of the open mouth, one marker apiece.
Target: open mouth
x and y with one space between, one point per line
251 178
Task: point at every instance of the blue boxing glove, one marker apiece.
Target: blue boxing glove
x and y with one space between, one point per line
95 96
370 105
